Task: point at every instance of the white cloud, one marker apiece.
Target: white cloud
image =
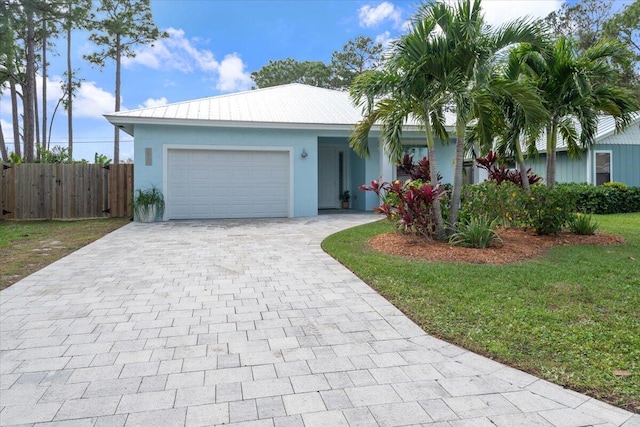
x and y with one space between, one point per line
179 53
93 101
150 102
384 39
371 16
233 75
497 12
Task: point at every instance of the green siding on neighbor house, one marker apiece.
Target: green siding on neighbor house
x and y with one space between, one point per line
567 169
625 162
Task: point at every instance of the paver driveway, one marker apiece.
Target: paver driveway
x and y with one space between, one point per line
224 322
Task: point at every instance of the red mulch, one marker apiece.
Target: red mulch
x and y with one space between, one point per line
517 245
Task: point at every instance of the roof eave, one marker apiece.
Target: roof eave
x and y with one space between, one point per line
127 124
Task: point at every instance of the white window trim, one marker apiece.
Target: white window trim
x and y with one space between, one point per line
165 163
595 154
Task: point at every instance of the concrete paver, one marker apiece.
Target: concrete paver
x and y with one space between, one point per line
245 322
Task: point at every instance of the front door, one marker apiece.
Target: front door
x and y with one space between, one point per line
329 177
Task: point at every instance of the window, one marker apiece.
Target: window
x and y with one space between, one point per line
603 167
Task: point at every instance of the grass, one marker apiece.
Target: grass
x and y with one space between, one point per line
28 246
571 317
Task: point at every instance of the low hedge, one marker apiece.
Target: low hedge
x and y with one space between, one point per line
604 199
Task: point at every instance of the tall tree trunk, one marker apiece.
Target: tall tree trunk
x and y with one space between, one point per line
116 131
36 115
69 93
433 170
3 147
456 194
44 86
522 166
15 117
552 139
28 88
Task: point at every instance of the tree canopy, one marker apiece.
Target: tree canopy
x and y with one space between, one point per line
357 55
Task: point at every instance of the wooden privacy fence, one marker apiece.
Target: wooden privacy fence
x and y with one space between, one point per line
65 191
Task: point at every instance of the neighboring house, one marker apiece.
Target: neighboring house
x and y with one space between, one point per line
614 157
276 152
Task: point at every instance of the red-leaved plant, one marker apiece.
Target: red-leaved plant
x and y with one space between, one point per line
500 173
419 170
409 205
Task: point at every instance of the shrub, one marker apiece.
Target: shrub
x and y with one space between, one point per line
476 232
619 185
408 205
501 202
604 199
419 170
500 173
582 224
548 209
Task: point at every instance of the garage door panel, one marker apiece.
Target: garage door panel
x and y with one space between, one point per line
227 184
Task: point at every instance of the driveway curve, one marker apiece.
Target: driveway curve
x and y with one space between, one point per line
245 322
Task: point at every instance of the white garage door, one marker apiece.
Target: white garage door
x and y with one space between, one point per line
205 184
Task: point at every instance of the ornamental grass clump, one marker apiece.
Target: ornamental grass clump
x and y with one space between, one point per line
476 232
148 204
583 225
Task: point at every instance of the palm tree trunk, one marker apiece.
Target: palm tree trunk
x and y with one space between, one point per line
456 194
28 89
522 166
433 170
552 142
44 86
116 131
14 117
69 94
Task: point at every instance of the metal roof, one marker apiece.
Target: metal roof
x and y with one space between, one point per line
288 106
606 128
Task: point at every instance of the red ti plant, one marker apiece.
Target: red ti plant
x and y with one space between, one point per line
408 206
419 170
500 173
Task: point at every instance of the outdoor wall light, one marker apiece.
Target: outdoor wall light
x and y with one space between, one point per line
304 154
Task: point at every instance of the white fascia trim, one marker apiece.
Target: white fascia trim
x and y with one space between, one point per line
127 124
165 163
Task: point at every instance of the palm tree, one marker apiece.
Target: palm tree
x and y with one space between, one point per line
412 86
474 49
517 115
576 88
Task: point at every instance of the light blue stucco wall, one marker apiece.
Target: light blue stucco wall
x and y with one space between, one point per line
444 155
305 170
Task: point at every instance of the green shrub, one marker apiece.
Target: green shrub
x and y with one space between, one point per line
619 185
476 232
603 199
582 224
501 202
549 209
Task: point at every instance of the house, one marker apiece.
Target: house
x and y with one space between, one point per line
275 152
615 157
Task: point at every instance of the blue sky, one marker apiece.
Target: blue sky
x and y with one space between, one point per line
213 47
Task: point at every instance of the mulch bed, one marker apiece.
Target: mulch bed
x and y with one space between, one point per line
517 245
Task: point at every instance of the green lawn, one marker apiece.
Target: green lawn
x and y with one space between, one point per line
571 317
28 246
